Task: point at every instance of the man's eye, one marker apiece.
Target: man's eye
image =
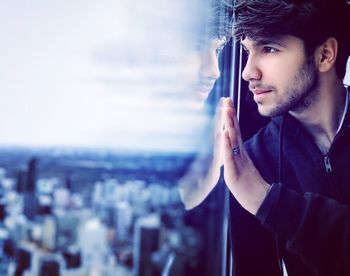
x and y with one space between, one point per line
219 50
269 50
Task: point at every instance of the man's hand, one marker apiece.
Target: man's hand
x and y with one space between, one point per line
204 173
241 176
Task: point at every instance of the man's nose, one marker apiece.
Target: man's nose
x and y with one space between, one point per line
251 71
210 67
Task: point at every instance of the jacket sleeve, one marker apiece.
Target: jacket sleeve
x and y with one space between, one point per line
253 246
316 228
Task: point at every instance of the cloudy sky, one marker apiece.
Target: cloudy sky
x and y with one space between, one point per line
110 74
114 74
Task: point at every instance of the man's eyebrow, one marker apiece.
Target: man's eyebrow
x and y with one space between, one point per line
265 41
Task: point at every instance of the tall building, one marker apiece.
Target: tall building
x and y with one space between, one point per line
49 234
29 198
93 243
146 242
49 266
32 175
21 181
123 221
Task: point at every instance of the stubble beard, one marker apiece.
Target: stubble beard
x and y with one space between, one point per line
302 92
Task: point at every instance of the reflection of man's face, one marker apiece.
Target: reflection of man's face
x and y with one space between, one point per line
209 70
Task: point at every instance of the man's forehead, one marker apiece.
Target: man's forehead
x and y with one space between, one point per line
260 41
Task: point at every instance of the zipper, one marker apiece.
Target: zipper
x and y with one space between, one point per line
326 159
327 164
341 129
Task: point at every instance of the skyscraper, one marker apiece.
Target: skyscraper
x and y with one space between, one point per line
146 241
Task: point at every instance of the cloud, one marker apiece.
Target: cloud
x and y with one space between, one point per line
98 74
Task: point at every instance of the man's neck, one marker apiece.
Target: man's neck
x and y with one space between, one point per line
322 118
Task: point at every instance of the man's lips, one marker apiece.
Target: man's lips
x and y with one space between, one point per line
207 86
260 94
204 89
260 91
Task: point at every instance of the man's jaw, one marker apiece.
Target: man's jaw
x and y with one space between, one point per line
203 89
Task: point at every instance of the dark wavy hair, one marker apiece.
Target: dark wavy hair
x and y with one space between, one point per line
313 21
219 20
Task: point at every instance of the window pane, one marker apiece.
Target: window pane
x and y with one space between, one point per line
103 113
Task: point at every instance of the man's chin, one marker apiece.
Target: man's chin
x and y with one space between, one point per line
266 111
263 113
202 96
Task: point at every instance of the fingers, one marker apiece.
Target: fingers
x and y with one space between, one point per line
218 125
232 145
218 116
230 161
237 128
231 123
226 126
226 146
230 127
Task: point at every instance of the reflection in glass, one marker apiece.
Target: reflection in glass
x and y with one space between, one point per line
102 112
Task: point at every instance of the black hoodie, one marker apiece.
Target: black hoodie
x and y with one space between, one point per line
305 218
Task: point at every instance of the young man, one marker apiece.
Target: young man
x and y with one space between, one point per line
291 190
290 183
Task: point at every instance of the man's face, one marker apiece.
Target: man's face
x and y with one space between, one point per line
280 76
208 71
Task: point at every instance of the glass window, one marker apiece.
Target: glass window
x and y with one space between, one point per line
106 108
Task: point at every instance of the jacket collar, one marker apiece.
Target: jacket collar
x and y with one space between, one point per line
346 122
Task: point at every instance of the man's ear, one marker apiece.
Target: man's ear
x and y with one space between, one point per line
326 54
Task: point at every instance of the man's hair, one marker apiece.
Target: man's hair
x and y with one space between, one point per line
219 21
313 21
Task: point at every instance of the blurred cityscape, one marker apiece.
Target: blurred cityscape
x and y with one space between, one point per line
86 212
